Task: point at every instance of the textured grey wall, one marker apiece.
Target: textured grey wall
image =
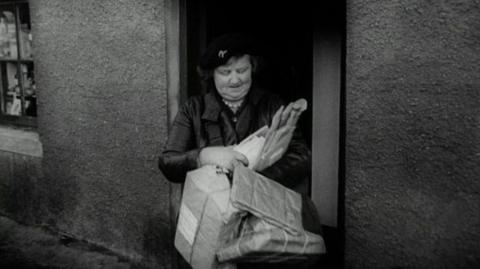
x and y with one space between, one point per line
20 198
413 134
100 69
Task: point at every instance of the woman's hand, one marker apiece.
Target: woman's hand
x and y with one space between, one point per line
224 157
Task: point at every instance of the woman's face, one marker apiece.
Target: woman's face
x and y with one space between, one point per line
233 79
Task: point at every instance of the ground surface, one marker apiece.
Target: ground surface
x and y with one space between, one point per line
26 247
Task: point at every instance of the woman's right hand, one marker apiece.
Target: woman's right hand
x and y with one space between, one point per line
224 157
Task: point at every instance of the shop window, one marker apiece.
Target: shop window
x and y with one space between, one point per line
18 97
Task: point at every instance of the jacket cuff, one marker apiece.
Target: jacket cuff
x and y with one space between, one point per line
192 158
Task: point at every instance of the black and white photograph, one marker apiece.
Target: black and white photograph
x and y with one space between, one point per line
216 134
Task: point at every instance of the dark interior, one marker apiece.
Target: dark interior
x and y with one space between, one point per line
284 35
285 32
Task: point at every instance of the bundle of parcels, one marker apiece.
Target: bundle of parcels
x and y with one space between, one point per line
250 218
268 224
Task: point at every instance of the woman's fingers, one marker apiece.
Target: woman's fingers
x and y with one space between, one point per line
240 157
221 156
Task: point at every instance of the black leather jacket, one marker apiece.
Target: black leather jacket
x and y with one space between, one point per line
205 121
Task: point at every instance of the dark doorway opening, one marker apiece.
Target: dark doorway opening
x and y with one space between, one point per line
304 48
283 32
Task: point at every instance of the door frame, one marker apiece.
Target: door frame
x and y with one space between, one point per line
328 99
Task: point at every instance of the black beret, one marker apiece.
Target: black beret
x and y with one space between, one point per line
222 48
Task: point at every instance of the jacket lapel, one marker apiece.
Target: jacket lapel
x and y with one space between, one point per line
229 133
210 117
247 120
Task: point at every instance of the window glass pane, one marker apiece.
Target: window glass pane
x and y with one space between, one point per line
12 92
8 36
17 86
25 32
11 89
29 90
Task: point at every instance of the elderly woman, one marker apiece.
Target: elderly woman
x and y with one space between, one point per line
207 126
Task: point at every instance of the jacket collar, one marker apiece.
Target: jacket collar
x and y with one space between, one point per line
212 103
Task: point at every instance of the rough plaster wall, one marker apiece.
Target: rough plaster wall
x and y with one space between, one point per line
413 134
19 196
100 69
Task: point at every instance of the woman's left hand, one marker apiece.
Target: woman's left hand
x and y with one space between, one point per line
224 157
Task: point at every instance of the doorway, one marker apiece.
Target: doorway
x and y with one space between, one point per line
303 45
284 36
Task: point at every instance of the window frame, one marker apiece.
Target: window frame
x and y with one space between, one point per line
22 120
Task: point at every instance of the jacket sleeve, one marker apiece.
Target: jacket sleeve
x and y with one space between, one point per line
295 165
179 154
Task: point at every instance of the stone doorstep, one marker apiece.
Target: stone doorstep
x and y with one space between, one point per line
31 247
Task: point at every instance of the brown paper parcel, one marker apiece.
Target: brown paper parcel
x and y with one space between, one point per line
266 199
204 201
259 241
273 230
